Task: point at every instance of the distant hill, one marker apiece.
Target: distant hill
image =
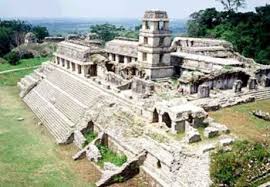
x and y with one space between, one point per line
67 26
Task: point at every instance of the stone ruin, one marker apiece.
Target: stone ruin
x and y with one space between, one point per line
147 99
30 38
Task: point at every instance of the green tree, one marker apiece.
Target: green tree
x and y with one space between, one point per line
232 5
108 32
249 32
40 32
12 57
5 40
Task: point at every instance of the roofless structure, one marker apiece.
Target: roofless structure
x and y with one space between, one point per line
145 99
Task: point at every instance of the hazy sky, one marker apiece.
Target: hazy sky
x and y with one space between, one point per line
107 8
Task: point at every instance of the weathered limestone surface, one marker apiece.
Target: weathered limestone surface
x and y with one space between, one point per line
93 153
111 91
210 132
193 136
204 91
79 139
263 115
237 86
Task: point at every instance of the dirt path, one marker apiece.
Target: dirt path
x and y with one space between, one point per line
18 69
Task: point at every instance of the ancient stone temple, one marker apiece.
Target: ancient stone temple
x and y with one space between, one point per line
147 99
154 45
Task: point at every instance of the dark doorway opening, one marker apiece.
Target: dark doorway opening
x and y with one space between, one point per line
155 116
167 120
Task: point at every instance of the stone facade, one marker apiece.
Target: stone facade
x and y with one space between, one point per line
141 96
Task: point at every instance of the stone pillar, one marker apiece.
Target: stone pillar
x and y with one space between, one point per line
237 86
252 83
76 67
125 59
68 65
173 128
265 81
84 70
110 57
117 58
203 91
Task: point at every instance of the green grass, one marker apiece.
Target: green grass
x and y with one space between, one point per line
11 79
28 156
110 156
90 136
25 63
243 124
240 166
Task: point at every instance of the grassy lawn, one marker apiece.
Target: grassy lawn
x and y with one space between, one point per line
29 156
243 124
24 63
11 79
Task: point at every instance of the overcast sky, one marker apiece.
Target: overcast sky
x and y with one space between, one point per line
106 8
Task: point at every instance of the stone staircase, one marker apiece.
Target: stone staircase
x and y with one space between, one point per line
261 94
58 125
84 93
61 101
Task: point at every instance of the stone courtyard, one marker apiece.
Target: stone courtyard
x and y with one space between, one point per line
146 99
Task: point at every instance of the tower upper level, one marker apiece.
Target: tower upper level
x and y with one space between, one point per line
155 21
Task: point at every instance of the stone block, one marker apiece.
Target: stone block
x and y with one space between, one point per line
252 83
193 136
210 132
221 128
226 141
79 139
110 167
203 91
93 153
237 86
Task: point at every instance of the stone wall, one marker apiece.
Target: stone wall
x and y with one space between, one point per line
142 86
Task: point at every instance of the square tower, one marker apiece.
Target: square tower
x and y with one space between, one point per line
154 45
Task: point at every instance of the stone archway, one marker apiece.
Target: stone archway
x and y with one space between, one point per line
155 116
167 120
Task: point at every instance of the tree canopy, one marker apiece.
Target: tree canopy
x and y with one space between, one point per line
232 5
249 32
40 32
108 32
12 34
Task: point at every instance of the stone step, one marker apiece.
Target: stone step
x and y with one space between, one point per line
56 123
65 104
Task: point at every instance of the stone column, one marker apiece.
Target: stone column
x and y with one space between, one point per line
110 57
125 59
84 70
68 65
173 128
117 58
237 86
252 83
265 81
76 68
203 91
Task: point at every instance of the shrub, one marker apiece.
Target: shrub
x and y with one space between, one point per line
109 156
2 61
13 57
27 55
240 166
90 136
